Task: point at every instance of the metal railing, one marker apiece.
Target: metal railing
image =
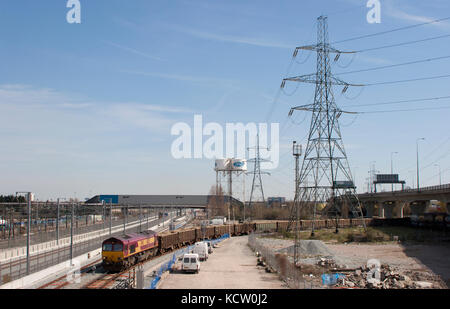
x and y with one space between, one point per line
15 268
444 187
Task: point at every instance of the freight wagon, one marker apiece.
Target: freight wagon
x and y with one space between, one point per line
127 250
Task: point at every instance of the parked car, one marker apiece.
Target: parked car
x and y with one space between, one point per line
190 263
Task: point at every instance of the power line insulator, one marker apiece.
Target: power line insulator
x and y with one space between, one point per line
337 57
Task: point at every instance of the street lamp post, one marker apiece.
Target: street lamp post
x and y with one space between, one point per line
371 174
110 216
71 233
28 228
57 222
440 179
417 152
411 173
125 212
392 169
103 214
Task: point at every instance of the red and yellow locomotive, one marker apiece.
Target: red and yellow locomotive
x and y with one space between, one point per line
122 252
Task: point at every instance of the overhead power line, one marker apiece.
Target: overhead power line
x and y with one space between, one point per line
395 65
392 30
408 80
404 43
405 110
402 101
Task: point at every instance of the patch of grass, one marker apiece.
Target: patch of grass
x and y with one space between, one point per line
373 234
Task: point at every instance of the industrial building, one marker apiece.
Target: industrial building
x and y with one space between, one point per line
194 201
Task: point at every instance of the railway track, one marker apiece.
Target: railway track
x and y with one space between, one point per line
62 281
107 280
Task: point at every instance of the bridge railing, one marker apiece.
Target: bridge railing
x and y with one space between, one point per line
429 188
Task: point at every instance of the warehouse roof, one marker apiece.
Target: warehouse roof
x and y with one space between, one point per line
175 200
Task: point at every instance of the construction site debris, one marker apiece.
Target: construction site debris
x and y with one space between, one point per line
384 278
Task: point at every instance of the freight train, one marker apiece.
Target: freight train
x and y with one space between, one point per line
122 252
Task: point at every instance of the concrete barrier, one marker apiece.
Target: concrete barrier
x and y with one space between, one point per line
52 272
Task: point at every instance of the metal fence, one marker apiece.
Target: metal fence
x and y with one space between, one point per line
15 267
43 232
168 265
284 267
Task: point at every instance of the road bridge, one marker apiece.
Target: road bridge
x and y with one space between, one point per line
394 203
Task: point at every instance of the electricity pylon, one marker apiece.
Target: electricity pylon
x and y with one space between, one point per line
325 178
257 180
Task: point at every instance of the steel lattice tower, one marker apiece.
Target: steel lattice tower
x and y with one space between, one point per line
257 180
324 178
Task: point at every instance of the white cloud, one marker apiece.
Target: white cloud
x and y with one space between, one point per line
133 51
188 78
261 42
400 14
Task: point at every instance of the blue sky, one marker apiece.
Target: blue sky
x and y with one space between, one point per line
87 108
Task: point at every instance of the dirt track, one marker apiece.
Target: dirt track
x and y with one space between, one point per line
231 266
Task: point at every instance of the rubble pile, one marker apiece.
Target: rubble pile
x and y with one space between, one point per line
328 263
261 262
389 279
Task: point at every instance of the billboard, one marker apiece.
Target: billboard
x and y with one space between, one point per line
387 178
343 184
239 165
281 200
222 165
231 165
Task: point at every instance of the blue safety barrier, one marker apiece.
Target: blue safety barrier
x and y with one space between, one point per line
331 279
168 265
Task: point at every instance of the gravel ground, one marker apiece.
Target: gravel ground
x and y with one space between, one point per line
421 262
231 266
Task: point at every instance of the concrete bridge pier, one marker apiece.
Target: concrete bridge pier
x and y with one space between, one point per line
399 208
387 210
369 208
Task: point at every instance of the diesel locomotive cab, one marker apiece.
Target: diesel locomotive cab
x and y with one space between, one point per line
112 253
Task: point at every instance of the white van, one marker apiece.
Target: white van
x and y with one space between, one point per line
201 248
190 263
209 247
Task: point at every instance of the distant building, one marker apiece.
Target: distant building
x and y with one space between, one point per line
276 201
193 201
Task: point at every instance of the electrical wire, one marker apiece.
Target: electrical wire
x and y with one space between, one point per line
390 31
402 101
408 80
395 65
405 110
404 43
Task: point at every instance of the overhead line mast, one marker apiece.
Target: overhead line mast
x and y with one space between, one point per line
325 177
